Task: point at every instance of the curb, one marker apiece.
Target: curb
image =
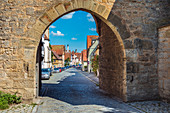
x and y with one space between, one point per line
89 79
35 109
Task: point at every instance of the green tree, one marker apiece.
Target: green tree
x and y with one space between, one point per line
51 53
67 62
95 63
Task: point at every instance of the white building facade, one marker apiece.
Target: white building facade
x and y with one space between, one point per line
46 51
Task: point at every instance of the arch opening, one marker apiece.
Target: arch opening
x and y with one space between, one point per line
112 68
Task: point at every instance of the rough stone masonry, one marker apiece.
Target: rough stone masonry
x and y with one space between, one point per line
132 43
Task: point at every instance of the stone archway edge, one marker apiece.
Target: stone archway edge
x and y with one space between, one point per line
60 9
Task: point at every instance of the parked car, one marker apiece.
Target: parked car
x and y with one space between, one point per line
60 69
50 70
56 70
45 74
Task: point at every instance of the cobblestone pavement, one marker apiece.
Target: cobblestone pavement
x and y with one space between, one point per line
72 92
20 108
146 106
152 106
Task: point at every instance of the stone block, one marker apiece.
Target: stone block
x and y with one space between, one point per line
106 14
39 26
46 19
6 83
138 43
23 83
94 6
163 55
28 53
60 9
117 22
87 4
147 44
52 13
34 34
128 44
101 9
143 44
74 3
132 67
68 6
27 93
131 55
111 1
80 3
167 84
30 11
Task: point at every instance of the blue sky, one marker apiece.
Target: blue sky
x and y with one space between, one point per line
73 29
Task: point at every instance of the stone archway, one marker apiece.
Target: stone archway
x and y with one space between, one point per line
101 13
134 25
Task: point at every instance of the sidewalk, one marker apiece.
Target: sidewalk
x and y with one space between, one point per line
91 76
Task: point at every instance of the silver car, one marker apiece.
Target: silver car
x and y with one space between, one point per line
56 70
45 74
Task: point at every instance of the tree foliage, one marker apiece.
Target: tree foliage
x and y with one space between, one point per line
67 62
51 53
95 63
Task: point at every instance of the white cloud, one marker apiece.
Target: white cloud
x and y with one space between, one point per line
68 16
92 29
51 26
90 17
73 38
57 34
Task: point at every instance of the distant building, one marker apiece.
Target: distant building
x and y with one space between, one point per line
76 58
46 51
59 55
92 49
68 55
84 59
90 40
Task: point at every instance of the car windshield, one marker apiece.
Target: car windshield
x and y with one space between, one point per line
44 70
55 68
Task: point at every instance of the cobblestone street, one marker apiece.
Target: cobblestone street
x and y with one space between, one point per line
72 92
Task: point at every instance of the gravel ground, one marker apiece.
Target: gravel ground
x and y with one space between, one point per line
152 106
20 108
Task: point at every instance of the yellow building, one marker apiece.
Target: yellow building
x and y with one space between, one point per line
58 55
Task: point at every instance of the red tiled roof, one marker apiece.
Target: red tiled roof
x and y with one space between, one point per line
59 49
68 55
46 38
56 55
78 55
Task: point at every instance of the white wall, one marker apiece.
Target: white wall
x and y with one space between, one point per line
46 63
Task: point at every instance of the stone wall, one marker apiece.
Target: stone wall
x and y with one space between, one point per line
111 62
137 22
22 22
164 63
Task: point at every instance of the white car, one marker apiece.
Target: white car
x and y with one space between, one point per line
45 74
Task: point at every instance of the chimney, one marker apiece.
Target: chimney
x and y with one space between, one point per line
76 51
67 48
